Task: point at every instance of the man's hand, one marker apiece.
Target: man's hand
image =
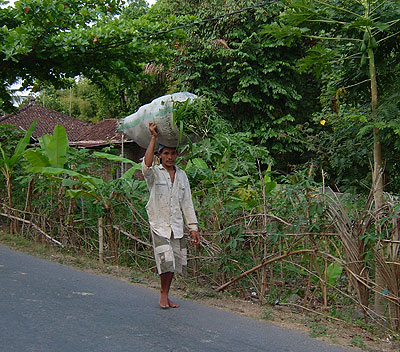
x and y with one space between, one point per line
153 129
149 155
195 237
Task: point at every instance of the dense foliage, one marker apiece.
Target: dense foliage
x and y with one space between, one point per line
253 82
352 46
51 41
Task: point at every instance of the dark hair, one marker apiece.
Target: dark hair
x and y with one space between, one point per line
160 150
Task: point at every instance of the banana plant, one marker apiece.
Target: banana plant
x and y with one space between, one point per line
52 152
50 159
99 191
8 163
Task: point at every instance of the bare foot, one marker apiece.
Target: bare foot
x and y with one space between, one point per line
172 304
164 302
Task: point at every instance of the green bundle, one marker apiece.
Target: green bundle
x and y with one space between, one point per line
194 117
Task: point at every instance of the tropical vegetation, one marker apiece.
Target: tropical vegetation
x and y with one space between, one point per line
295 178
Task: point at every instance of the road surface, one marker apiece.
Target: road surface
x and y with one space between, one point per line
49 307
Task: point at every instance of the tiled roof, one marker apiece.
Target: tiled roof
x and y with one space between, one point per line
46 121
102 133
105 130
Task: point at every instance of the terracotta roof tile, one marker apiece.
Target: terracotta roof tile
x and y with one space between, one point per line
47 119
103 130
102 133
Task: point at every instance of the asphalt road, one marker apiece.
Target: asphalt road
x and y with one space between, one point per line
45 306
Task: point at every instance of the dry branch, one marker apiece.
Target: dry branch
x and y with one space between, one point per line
269 216
313 311
131 236
263 232
224 286
350 233
34 226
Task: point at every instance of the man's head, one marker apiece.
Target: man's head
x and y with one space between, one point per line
167 155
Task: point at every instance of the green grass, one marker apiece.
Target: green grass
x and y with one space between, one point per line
317 329
268 315
357 341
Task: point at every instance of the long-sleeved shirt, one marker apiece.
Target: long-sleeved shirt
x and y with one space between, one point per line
170 204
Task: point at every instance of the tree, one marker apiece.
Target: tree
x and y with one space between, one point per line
51 40
252 82
85 101
134 9
343 32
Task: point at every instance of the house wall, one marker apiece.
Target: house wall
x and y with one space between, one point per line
133 152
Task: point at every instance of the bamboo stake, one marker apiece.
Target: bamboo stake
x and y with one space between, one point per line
101 240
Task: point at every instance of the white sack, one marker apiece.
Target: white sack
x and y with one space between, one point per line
159 111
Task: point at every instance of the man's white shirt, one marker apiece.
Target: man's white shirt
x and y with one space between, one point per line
170 205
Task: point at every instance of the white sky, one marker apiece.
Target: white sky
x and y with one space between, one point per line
150 2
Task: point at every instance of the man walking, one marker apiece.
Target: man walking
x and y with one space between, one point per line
169 206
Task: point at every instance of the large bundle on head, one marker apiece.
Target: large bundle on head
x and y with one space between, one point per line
161 112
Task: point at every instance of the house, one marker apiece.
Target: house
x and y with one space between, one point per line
80 134
47 119
103 134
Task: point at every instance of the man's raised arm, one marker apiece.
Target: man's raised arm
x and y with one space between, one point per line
149 156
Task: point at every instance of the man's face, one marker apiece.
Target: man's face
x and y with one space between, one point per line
168 156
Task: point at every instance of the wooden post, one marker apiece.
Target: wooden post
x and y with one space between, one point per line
122 154
70 101
101 240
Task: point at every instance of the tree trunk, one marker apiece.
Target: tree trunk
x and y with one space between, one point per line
377 178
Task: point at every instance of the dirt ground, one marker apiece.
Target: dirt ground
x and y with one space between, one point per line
314 324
